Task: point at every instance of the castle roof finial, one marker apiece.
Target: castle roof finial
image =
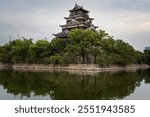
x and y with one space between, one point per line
76 3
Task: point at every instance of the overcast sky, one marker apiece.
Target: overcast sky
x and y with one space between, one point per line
128 20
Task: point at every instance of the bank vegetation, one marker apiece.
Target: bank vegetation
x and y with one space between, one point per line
82 47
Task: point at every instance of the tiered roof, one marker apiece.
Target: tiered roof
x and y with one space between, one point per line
77 7
78 18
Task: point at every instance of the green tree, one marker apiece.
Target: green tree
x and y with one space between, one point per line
83 46
19 50
147 56
55 59
126 52
58 45
79 43
86 44
1 53
39 51
5 55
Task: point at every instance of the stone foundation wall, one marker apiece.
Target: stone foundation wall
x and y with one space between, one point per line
80 67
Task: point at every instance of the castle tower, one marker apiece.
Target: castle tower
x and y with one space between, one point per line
78 19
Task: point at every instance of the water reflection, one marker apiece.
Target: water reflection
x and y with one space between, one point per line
65 86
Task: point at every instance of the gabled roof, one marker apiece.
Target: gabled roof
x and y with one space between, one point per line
92 27
77 7
65 33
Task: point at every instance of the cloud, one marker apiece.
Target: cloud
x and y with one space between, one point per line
120 5
124 19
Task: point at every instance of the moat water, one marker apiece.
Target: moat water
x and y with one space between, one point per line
17 85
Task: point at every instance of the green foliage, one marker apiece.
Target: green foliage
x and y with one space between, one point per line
5 55
19 50
86 43
1 52
55 59
100 48
58 45
68 58
82 47
147 56
39 51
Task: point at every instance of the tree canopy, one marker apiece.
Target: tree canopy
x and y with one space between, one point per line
82 47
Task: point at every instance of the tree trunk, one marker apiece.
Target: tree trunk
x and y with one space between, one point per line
83 59
95 59
83 56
